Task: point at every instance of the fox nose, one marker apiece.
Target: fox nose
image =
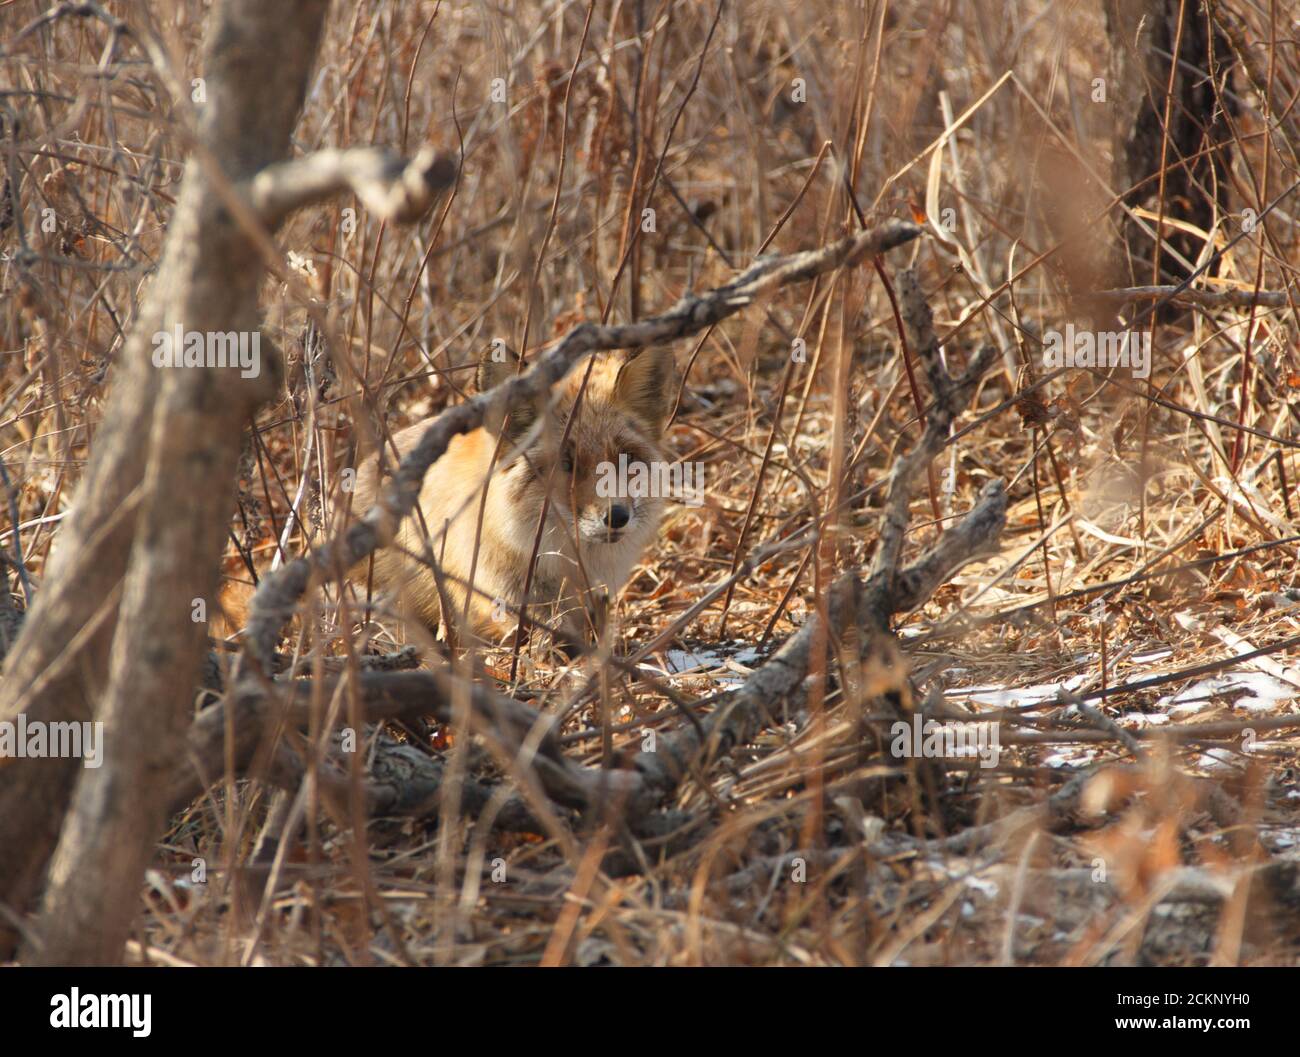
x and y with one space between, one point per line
617 515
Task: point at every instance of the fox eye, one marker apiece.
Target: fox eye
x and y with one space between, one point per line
566 461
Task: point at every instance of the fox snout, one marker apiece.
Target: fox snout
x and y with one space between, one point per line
585 512
608 520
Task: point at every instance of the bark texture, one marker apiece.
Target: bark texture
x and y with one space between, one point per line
1170 111
110 636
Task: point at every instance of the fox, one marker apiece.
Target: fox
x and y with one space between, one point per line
590 542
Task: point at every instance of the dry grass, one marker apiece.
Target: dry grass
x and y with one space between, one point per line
822 853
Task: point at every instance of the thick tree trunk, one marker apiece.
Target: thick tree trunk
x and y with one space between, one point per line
1153 122
149 526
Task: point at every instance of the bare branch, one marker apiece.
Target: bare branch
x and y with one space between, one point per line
1231 298
962 543
390 187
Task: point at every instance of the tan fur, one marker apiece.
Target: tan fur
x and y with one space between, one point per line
620 412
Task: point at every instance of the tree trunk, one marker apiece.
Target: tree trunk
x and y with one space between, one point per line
1153 122
110 636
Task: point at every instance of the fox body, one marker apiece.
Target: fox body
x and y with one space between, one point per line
590 542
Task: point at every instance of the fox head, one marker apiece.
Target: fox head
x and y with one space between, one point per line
575 454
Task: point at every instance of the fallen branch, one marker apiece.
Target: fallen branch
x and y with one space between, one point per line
1179 733
255 714
851 605
404 782
1230 298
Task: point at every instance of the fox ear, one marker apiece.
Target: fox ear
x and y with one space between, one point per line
498 365
643 386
